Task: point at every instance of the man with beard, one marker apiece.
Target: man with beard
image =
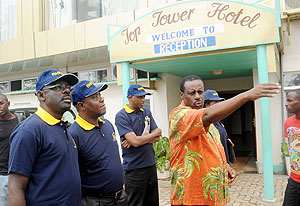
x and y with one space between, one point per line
198 166
138 130
98 152
43 162
292 133
8 122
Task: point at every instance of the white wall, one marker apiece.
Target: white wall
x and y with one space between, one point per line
173 87
291 44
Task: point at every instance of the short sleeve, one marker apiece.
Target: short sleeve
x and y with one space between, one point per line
187 123
23 152
123 125
285 134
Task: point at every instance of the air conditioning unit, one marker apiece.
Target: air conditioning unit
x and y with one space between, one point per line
290 5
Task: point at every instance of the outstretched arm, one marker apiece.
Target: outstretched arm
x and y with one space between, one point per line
219 111
16 189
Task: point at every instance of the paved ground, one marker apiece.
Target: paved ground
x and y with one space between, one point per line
247 190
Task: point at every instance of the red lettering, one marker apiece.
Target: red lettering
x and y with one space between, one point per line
219 11
245 20
253 20
131 36
162 19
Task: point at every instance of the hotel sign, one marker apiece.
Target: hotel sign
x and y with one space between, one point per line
194 26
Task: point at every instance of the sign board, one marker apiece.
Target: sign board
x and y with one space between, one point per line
194 26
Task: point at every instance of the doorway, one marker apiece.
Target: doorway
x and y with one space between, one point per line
240 127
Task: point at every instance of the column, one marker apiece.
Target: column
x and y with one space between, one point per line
266 126
125 80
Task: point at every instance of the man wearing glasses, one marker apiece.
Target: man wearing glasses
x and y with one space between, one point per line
43 163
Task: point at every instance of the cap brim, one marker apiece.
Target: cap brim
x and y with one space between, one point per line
100 88
70 78
142 94
215 99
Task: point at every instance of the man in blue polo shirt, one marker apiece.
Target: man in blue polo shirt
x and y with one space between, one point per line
138 130
43 161
99 160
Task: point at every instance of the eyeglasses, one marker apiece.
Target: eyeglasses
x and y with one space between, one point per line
59 87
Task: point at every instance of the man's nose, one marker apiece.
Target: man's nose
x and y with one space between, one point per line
197 95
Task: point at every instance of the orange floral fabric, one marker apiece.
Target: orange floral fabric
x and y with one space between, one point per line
198 167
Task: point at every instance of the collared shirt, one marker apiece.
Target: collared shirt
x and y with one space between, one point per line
42 151
99 159
292 132
198 167
223 138
128 120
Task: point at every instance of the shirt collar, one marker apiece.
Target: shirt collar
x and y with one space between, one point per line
86 125
128 110
46 117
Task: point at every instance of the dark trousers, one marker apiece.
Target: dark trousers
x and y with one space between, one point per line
142 187
104 200
292 193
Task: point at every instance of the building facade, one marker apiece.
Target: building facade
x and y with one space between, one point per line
80 36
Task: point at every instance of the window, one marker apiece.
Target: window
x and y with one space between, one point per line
29 84
58 13
8 19
16 85
114 72
149 103
142 74
4 87
88 9
113 7
95 76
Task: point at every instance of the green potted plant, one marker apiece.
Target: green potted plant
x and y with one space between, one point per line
162 154
286 155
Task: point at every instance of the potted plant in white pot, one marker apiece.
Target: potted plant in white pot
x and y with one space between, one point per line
162 157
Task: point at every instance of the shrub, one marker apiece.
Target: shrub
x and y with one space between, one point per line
162 154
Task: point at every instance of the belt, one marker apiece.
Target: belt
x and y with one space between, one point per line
98 193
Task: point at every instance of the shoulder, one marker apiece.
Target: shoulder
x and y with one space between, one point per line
121 112
74 128
147 112
32 122
30 128
291 120
106 121
187 112
121 115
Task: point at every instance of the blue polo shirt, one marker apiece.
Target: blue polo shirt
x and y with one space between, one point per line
99 159
42 150
128 120
223 137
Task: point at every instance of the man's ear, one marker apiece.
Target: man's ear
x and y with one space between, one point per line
181 94
8 103
80 106
40 95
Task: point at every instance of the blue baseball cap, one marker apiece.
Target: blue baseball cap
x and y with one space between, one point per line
85 89
212 95
52 75
136 90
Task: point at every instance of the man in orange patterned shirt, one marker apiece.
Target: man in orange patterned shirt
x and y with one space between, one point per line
198 168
